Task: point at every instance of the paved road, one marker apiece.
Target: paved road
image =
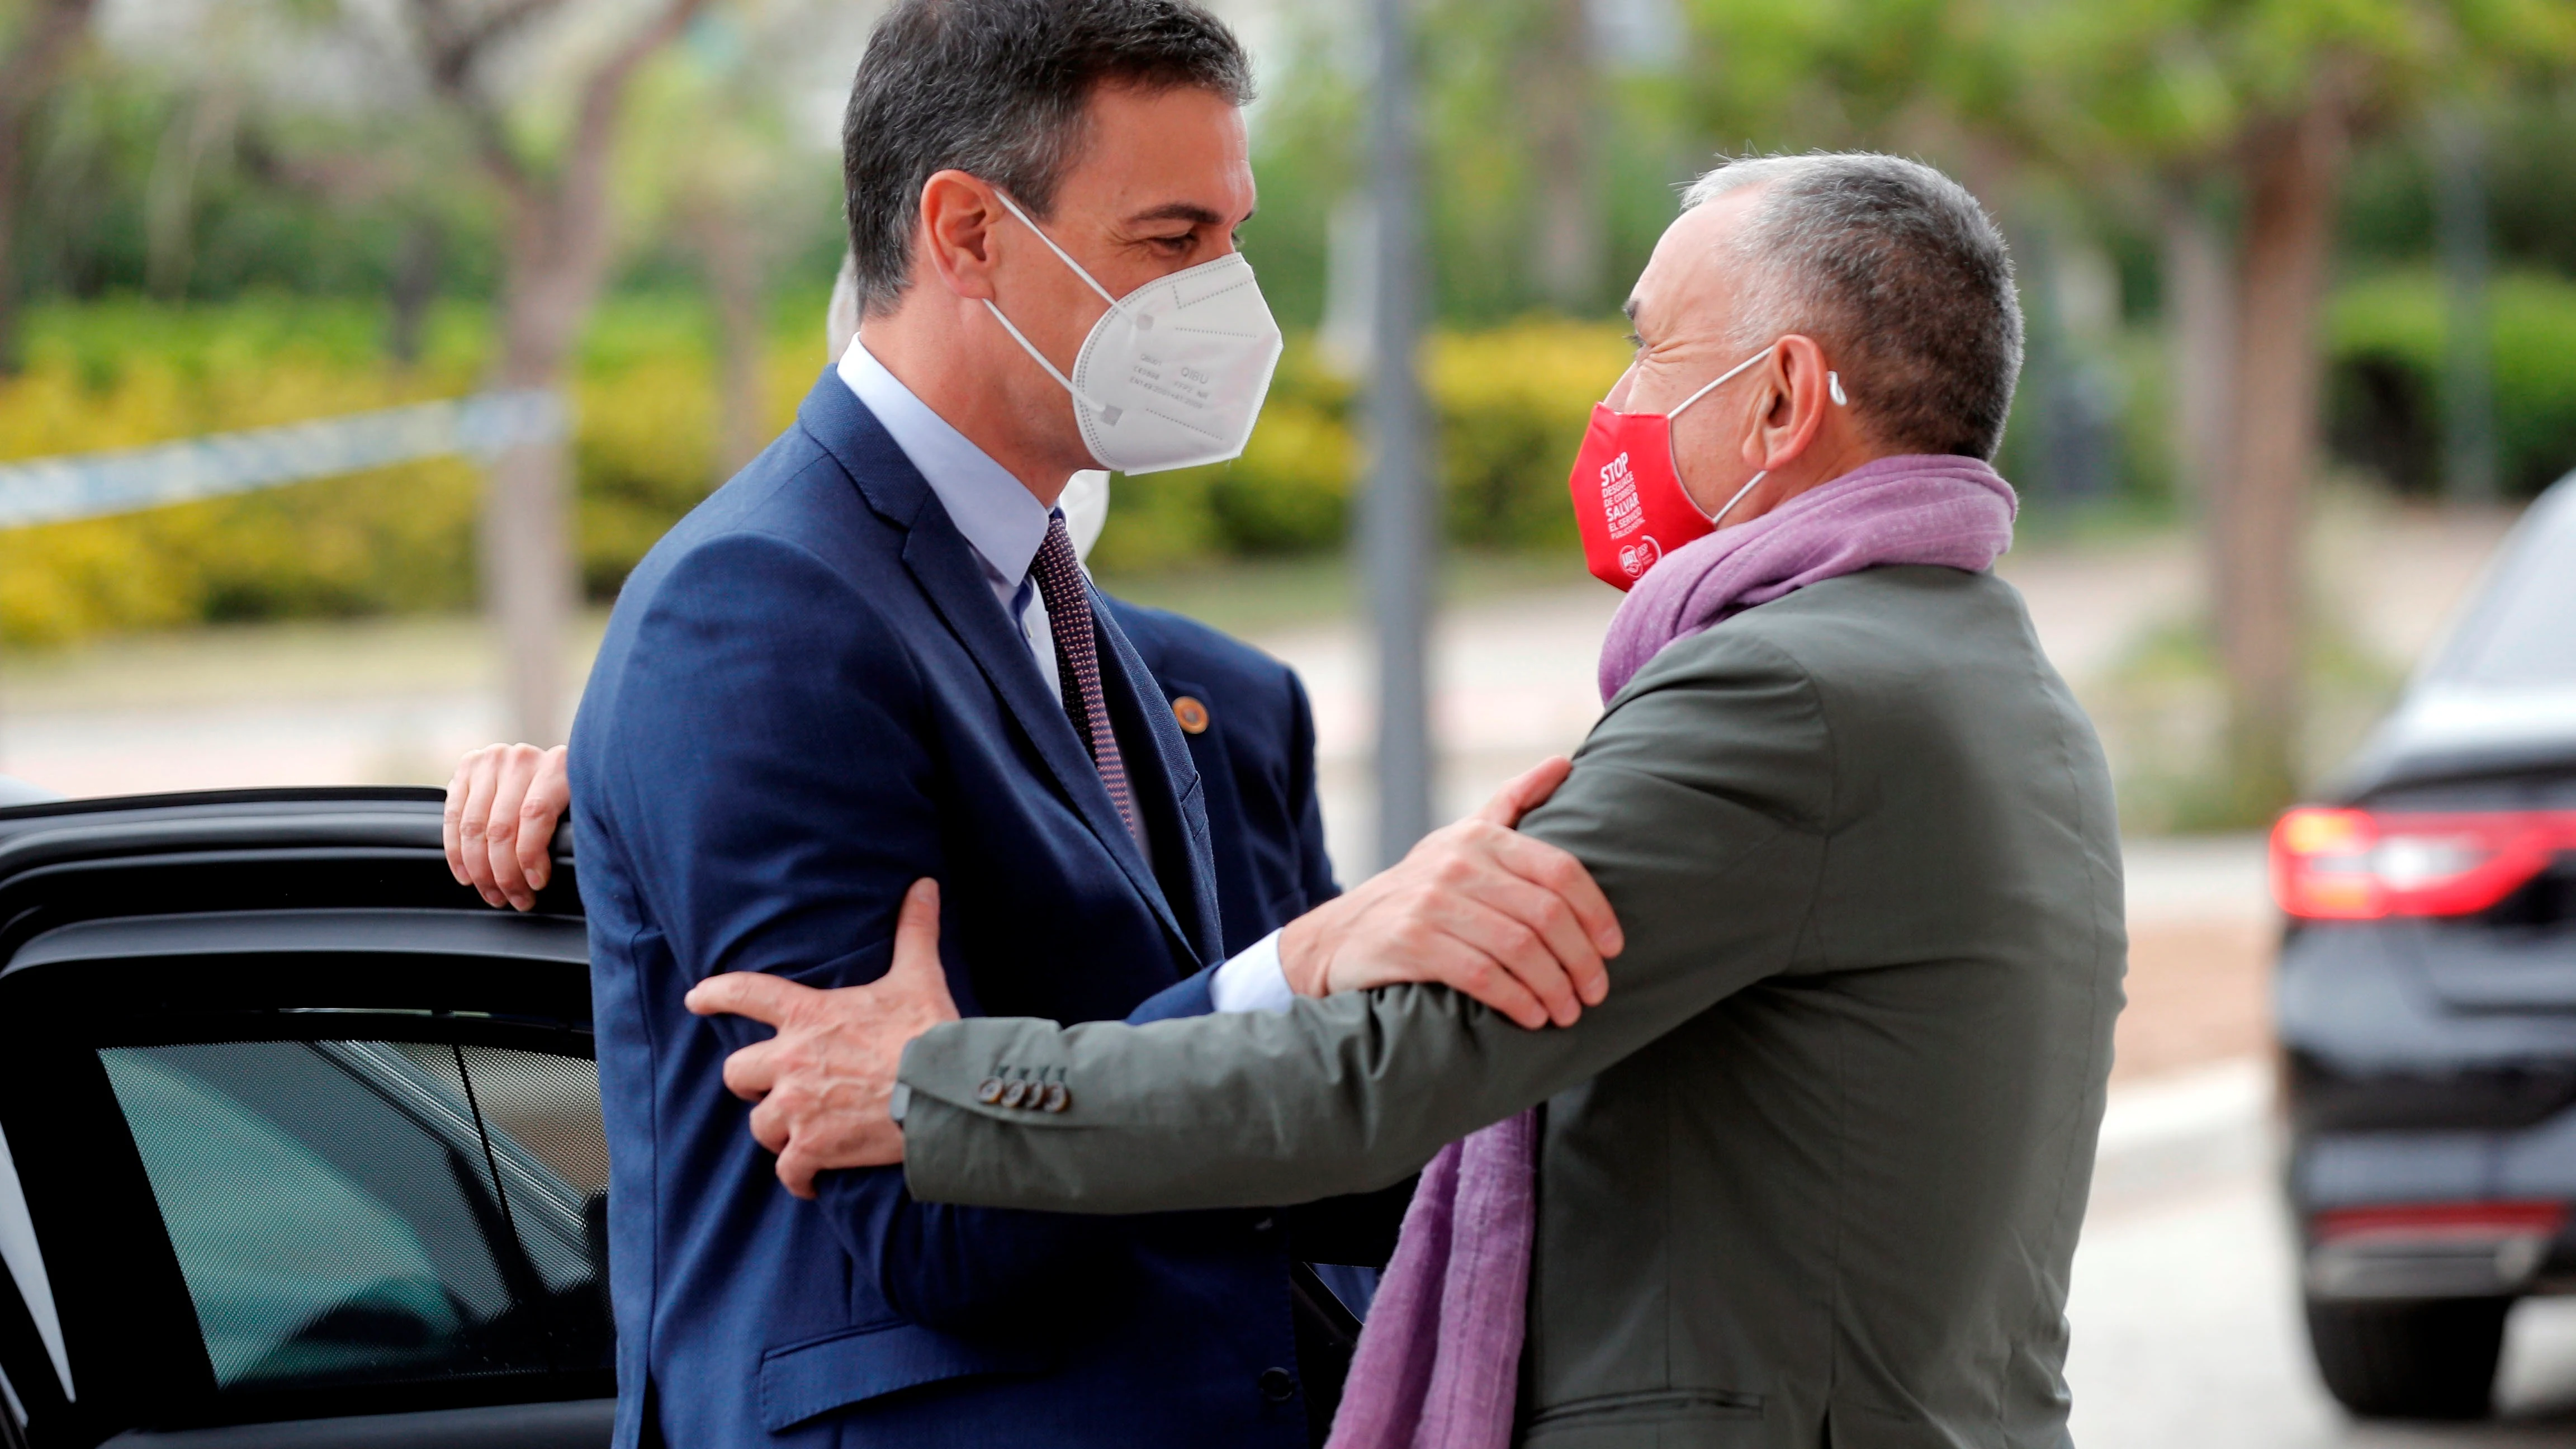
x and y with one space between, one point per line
2187 1334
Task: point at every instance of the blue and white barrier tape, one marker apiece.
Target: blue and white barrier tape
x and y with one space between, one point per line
91 485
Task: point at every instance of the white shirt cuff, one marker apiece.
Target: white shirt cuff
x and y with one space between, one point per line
1254 980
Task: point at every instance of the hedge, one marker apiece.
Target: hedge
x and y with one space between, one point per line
2386 339
1511 405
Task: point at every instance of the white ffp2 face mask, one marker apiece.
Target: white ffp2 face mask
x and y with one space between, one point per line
1085 505
1173 373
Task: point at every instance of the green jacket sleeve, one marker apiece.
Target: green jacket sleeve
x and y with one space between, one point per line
1700 803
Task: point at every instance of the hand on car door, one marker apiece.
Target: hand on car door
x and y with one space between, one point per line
502 808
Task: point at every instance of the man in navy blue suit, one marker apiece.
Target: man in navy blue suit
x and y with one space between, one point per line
872 657
1251 736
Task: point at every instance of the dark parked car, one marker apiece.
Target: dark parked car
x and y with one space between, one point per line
302 1142
2427 1002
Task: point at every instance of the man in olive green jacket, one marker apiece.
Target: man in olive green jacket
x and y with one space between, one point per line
1812 1171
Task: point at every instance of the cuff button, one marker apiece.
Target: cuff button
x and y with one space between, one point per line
1015 1094
1058 1097
989 1091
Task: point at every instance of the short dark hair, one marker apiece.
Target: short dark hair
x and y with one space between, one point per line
998 89
1902 276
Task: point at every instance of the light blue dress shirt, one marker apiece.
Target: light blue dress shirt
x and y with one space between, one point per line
1004 523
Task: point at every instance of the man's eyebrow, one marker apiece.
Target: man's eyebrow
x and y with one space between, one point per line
1628 309
1189 211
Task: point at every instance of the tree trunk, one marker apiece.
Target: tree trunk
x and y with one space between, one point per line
2200 343
733 278
27 79
2468 335
2290 170
558 259
1563 96
530 578
415 287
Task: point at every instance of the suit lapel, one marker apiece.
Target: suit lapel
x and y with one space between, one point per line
943 564
1171 774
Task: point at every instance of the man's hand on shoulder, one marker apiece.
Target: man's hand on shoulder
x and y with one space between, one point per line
825 1084
502 807
1513 922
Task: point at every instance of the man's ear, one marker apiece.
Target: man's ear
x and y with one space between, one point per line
958 216
1795 410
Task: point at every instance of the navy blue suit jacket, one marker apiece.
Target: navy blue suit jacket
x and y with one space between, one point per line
807 697
1255 754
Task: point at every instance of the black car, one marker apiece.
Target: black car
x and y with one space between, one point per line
2427 1002
302 1141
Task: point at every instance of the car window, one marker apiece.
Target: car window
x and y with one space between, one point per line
2519 635
375 1212
26 1264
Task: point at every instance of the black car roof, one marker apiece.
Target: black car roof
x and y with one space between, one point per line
2451 726
357 847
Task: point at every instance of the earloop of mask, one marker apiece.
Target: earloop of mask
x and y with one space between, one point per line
1833 389
1061 254
1108 415
1719 381
1041 358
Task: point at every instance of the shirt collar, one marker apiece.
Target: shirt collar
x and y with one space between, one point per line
1002 520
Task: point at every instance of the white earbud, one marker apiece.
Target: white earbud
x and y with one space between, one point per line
1834 386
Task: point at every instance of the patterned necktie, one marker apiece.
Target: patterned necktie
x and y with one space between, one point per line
1077 664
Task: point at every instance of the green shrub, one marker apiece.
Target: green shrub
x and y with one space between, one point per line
1510 405
1513 404
2385 344
1290 492
126 373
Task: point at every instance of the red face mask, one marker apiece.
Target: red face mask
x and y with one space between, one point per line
1627 490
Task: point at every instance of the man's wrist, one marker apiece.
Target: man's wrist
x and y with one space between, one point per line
1301 955
1253 980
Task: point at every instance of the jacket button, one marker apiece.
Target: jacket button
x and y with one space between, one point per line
1058 1097
1278 1385
989 1091
1193 716
1014 1094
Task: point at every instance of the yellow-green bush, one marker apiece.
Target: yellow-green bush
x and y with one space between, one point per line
128 374
1510 403
394 539
1513 404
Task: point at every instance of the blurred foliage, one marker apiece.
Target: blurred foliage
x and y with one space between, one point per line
129 373
2387 336
2162 714
1511 404
1480 177
274 220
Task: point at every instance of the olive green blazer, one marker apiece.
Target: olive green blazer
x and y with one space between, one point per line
1812 1174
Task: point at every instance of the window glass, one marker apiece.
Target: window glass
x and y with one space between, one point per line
26 1264
349 1212
2520 636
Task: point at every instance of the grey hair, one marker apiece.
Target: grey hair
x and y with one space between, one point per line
998 89
1899 273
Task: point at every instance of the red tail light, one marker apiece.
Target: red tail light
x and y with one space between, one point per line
2353 865
2435 1220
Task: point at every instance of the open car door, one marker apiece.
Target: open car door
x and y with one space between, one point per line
300 1142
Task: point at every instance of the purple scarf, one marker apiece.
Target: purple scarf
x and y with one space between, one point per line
1438 1365
1916 508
